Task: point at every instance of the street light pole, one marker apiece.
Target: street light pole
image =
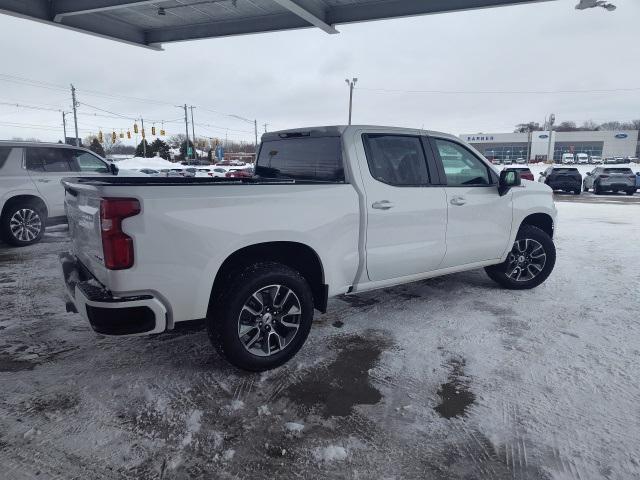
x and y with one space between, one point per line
64 126
351 84
193 130
552 119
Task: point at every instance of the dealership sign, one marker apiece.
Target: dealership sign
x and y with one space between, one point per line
544 135
479 139
621 135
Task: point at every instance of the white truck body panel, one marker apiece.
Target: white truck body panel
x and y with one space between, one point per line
184 233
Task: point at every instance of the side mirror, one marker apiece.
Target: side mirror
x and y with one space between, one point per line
588 174
508 179
542 174
113 170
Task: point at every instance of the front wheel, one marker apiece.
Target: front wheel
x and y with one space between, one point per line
529 263
631 191
263 318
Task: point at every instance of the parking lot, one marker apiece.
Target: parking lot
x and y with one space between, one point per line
445 378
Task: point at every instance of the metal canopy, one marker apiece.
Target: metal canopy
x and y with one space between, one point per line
151 23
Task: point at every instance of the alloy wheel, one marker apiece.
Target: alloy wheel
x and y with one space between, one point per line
25 224
526 260
269 320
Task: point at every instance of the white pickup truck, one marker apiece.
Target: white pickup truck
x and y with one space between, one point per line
331 211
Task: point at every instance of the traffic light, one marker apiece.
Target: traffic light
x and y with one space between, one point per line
129 134
100 136
135 128
113 137
121 134
153 130
143 133
161 132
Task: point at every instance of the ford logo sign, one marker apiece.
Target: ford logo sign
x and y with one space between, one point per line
543 136
621 135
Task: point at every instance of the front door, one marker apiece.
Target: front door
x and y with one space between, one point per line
479 219
406 215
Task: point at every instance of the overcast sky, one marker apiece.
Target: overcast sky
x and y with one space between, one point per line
296 78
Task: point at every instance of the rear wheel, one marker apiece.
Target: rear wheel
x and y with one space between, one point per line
596 189
529 263
23 223
263 318
631 191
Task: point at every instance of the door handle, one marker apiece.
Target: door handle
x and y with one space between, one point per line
382 205
458 201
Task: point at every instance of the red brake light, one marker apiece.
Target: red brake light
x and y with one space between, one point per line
116 245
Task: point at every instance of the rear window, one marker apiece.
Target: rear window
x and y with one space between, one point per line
4 154
618 170
301 158
565 170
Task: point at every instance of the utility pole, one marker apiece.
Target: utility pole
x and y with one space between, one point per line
193 130
351 83
255 131
144 142
552 119
64 126
186 130
265 127
75 113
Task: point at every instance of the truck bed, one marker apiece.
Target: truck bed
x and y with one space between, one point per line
182 181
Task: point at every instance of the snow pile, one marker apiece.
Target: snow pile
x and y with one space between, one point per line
294 427
193 426
329 454
137 163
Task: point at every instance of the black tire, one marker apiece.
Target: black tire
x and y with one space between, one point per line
596 189
577 191
631 191
584 187
224 317
501 273
33 218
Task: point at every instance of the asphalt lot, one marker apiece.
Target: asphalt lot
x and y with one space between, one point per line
446 378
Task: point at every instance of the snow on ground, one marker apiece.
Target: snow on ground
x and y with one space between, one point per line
137 163
446 378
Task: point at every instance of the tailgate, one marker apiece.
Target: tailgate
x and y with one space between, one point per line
83 212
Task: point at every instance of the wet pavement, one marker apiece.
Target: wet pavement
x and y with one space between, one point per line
446 378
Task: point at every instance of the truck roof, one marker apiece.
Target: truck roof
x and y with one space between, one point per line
339 130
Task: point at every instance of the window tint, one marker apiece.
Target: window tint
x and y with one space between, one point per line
461 167
301 158
42 159
85 162
4 154
565 170
396 159
618 170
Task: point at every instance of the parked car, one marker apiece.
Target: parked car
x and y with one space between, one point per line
610 161
273 247
211 172
582 158
520 161
595 159
637 180
239 173
149 171
562 178
525 172
30 192
568 159
608 179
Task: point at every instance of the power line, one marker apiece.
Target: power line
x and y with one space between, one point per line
498 92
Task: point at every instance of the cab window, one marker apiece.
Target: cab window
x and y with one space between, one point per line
461 167
396 160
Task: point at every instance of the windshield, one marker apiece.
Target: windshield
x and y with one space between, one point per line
618 170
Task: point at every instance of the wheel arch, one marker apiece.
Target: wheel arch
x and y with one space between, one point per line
543 221
295 255
24 198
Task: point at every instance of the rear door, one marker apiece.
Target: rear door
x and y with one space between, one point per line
47 166
479 219
406 209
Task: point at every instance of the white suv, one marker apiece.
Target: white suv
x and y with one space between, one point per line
30 191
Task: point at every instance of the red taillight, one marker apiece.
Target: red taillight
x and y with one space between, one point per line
116 245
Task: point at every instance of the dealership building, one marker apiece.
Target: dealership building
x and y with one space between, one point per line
536 145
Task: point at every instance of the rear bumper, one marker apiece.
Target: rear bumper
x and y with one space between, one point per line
108 314
616 185
564 185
